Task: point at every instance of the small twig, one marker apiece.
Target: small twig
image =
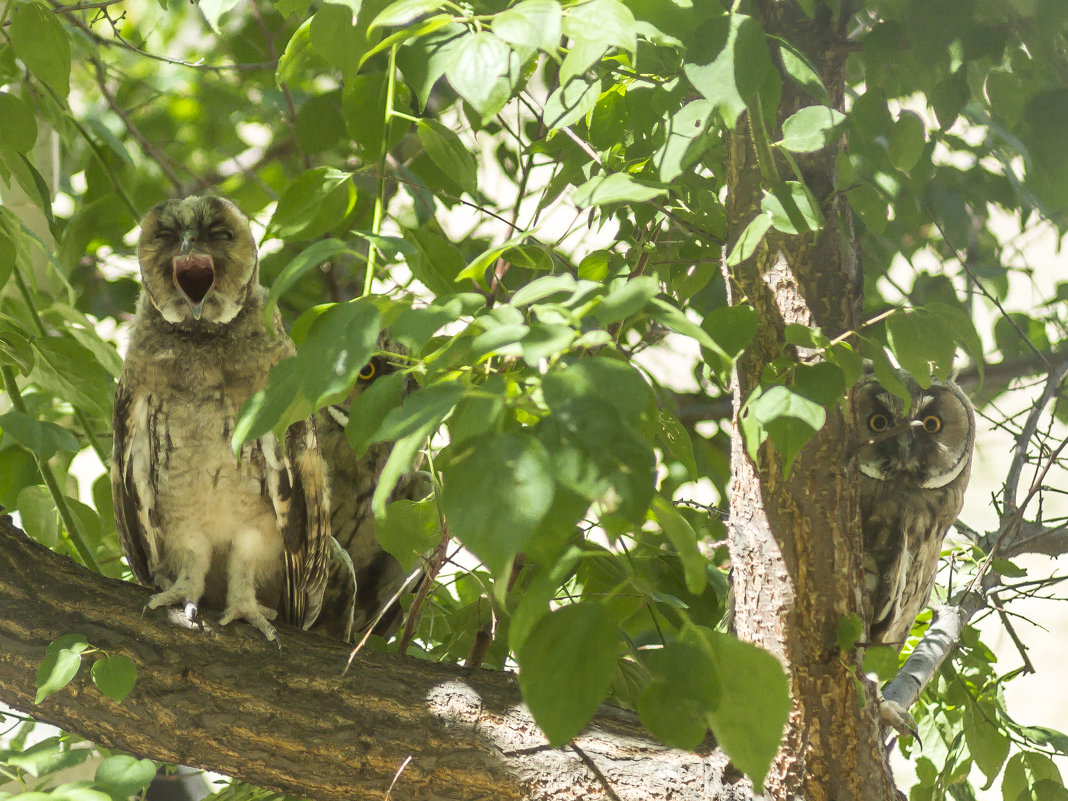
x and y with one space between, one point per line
1053 382
596 772
432 568
150 149
400 770
119 41
1020 647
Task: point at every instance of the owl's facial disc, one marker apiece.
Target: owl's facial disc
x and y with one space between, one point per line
194 276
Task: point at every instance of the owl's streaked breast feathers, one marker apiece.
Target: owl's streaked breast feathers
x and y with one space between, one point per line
249 536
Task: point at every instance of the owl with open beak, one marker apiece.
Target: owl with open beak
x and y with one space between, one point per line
245 533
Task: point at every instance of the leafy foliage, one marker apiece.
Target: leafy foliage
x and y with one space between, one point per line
535 194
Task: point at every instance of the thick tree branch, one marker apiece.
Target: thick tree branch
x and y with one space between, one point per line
228 701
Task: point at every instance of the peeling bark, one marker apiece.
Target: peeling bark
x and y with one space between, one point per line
228 701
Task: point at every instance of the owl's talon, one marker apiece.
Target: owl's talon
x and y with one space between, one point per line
257 615
893 715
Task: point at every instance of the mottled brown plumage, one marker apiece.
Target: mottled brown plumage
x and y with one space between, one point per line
915 466
353 480
247 535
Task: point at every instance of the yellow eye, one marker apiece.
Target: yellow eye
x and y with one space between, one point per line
368 372
878 422
932 424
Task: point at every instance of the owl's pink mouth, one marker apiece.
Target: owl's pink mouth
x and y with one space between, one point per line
194 275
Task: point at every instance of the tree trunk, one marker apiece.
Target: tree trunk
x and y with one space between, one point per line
297 723
796 542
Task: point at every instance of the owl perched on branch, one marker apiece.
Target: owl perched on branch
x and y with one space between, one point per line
247 534
915 465
353 481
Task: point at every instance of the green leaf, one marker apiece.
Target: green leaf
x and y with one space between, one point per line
732 328
424 407
684 538
403 12
439 262
424 60
922 343
409 530
731 65
337 347
20 125
610 380
543 340
625 298
275 407
754 701
688 139
48 756
676 439
850 629
871 206
57 670
42 437
797 65
570 102
213 10
370 409
683 689
615 188
75 643
792 208
70 371
336 38
597 454
789 420
988 745
497 488
42 44
811 129
748 240
451 155
907 141
309 258
529 26
483 71
115 676
882 661
301 203
602 22
123 775
566 665
40 518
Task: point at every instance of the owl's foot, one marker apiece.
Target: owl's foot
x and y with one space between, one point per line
895 716
256 614
178 593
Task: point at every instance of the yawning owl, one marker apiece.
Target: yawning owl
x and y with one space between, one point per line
248 534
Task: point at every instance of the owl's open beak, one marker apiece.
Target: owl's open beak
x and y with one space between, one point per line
194 276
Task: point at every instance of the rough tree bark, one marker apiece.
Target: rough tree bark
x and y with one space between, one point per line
796 542
291 721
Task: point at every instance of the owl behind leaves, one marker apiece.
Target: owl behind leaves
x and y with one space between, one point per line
248 535
915 466
353 480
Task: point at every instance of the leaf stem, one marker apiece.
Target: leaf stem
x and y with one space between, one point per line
73 532
380 189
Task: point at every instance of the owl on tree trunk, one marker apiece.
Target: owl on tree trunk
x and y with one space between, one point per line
914 465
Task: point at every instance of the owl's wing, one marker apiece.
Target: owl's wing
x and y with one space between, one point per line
294 482
134 469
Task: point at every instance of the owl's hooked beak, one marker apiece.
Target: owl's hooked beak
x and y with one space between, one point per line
194 274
